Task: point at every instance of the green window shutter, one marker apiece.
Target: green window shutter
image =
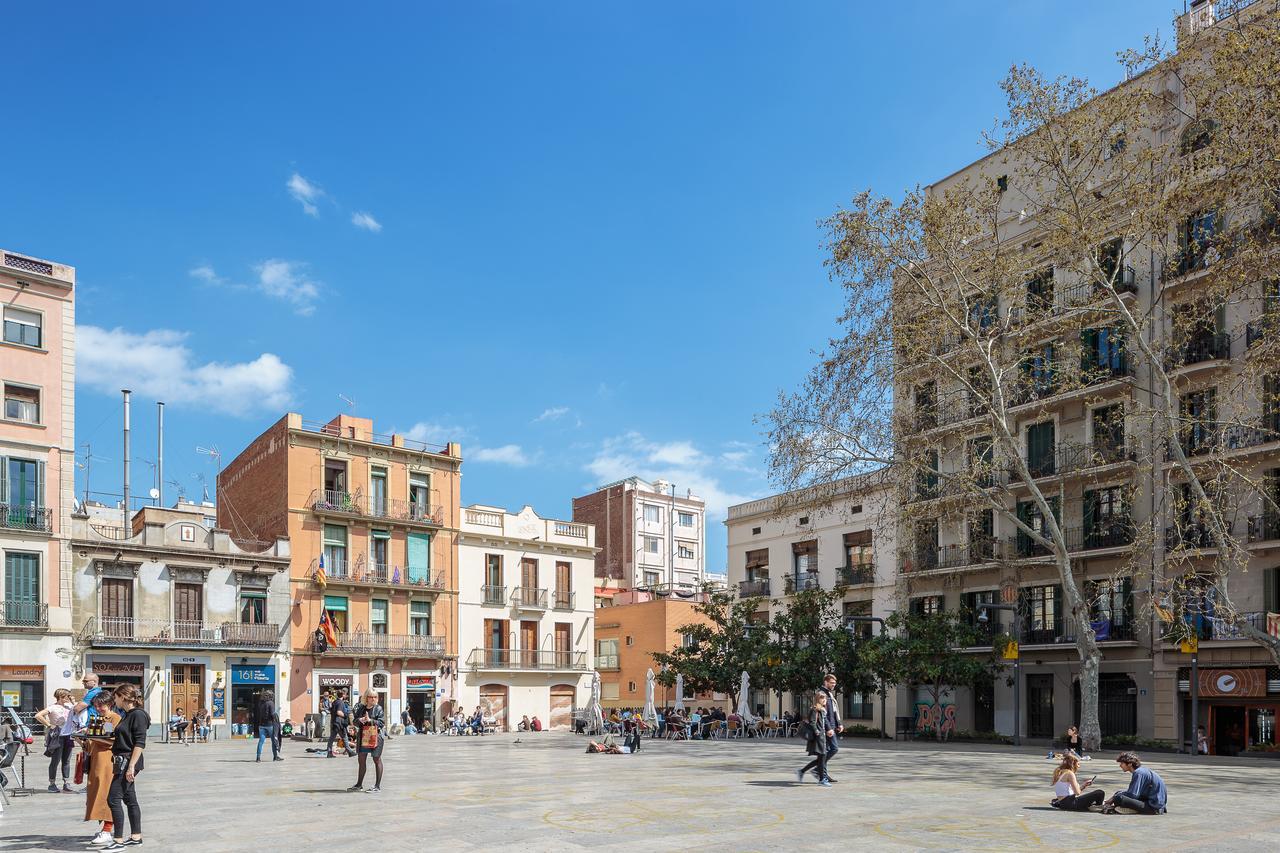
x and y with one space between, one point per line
335 602
419 552
22 578
1088 348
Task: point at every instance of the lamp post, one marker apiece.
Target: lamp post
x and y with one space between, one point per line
850 622
983 617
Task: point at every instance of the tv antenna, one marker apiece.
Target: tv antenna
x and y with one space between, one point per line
86 465
154 479
204 485
212 451
352 403
177 484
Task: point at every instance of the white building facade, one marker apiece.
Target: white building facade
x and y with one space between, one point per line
783 543
525 615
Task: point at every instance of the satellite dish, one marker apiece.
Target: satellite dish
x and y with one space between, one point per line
155 493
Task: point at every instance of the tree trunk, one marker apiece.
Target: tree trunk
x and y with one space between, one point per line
1090 661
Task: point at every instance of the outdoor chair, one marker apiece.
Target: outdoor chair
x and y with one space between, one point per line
6 765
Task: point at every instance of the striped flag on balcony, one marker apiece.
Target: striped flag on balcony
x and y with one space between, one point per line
1273 625
326 626
320 577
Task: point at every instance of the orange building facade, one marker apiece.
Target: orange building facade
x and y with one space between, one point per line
380 514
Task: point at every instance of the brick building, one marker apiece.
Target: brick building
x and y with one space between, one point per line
381 512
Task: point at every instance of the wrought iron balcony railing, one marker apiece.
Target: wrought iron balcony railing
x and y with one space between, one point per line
361 571
24 614
802 581
857 573
493 595
529 597
1200 349
527 659
1264 528
18 516
127 631
335 502
754 588
365 644
563 599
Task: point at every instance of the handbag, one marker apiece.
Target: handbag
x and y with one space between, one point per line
369 737
52 743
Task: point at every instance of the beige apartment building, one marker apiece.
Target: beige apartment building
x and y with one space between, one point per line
372 521
1082 418
37 479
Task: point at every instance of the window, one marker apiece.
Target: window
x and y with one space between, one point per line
1101 354
926 405
653 544
1106 518
336 607
927 477
1030 515
981 459
379 551
418 554
982 312
757 565
1198 135
926 605
979 391
378 491
688 641
805 555
858 551
335 479
755 531
1195 238
1040 449
253 608
335 550
1108 433
684 551
630 640
1110 257
21 590
1040 291
22 486
857 705
926 542
652 579
1039 370
420 618
1199 420
378 616
1002 183
419 496
652 514
22 404
607 654
971 603
1111 608
1043 608
22 327
609 690
982 536
684 519
861 630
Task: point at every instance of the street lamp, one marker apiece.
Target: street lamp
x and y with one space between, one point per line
983 617
850 622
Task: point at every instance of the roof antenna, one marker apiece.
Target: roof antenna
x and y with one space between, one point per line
204 486
352 403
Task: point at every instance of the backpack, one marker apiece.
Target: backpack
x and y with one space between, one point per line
806 730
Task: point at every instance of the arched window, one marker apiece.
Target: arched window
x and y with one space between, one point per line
1198 135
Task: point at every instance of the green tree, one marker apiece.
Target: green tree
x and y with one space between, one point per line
925 650
717 651
807 640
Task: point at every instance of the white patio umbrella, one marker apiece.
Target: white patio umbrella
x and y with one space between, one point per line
650 713
744 703
595 712
679 694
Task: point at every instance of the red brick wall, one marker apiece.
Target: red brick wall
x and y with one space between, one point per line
610 510
253 488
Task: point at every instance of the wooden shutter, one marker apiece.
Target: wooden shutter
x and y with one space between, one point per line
758 558
117 598
860 537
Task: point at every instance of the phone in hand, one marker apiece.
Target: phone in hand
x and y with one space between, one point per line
1093 779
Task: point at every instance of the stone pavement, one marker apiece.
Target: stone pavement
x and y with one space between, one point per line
542 792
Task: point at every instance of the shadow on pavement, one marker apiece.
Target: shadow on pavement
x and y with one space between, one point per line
41 842
773 783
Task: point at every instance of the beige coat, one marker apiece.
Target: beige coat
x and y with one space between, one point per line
98 774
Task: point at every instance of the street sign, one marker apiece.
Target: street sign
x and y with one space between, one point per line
1011 651
1190 646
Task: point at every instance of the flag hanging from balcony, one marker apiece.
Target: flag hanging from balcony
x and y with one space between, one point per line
395 576
320 577
1273 625
326 626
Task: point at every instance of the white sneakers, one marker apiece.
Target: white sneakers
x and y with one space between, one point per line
102 838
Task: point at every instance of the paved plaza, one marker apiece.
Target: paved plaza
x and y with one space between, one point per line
543 792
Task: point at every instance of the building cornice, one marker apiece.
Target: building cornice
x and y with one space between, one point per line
466 537
181 557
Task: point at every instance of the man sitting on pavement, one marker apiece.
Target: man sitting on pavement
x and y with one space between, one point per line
1146 794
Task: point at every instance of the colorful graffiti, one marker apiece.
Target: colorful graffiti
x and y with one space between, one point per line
929 716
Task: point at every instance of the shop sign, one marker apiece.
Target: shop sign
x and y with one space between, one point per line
219 696
1232 683
253 675
107 667
22 673
335 681
10 698
420 682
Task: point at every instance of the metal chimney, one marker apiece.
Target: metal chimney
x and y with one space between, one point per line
126 393
160 454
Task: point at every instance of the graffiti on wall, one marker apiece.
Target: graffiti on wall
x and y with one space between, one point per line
930 715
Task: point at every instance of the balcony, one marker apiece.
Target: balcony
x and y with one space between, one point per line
1067 299
563 599
26 517
529 598
856 574
1061 632
494 596
126 631
1114 533
1189 536
1208 627
1200 350
24 615
1195 257
801 581
528 660
363 573
348 505
1264 528
754 588
364 644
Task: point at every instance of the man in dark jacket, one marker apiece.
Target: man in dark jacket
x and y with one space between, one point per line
834 724
341 719
268 723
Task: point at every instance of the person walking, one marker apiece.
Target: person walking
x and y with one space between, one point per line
326 713
126 763
370 724
268 721
1068 791
338 729
97 752
834 723
816 742
56 744
1146 794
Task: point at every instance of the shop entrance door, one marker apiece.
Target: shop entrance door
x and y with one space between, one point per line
561 707
493 701
1040 706
1228 729
422 707
186 688
984 706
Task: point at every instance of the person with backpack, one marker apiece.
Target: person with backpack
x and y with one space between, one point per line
268 722
338 730
814 730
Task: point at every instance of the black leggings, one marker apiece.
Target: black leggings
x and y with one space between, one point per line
820 763
122 795
1081 803
61 755
377 766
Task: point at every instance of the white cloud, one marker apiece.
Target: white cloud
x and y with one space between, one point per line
305 193
365 220
507 454
555 413
287 280
158 364
433 433
679 462
205 273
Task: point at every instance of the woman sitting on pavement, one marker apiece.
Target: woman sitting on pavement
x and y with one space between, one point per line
1068 791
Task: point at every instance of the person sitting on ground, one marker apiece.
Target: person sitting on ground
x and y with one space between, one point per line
286 729
535 725
1068 791
406 720
1202 741
1146 794
523 725
1071 743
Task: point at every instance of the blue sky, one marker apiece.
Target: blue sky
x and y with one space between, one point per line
579 238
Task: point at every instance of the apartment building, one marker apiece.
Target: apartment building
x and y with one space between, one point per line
37 478
1080 400
525 615
784 543
637 623
175 607
648 536
372 521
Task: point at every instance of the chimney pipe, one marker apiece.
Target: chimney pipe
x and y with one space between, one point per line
126 392
160 454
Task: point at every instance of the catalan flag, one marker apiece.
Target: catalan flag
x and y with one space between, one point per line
320 577
1164 614
326 625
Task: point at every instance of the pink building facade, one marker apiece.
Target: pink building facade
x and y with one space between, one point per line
37 479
